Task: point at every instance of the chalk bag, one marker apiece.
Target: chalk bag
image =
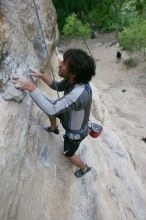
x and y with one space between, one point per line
95 130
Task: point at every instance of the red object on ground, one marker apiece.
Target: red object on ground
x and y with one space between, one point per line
95 130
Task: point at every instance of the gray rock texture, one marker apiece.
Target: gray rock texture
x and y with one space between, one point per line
36 180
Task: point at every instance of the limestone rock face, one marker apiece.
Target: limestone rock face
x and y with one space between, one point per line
36 181
22 45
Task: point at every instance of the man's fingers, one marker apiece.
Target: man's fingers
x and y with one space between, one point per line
34 73
15 77
17 86
19 83
13 81
24 84
19 80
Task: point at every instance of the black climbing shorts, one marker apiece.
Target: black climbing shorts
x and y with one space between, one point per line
70 146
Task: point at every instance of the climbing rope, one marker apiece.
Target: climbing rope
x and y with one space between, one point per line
88 48
43 38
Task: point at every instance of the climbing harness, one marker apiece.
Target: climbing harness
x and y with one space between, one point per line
43 38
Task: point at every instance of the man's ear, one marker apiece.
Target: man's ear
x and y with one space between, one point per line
73 76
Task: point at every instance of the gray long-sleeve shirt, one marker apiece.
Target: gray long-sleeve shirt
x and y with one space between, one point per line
73 109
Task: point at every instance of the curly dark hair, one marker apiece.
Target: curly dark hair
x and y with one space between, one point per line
80 64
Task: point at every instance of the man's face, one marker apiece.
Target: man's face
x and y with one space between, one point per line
65 73
63 69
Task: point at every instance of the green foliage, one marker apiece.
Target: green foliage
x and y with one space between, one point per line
130 62
102 16
140 7
61 17
133 38
131 10
75 28
106 15
74 17
128 13
66 7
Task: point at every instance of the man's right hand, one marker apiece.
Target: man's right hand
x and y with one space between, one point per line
36 74
46 79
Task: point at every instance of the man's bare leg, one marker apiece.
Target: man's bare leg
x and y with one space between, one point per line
76 160
53 128
53 122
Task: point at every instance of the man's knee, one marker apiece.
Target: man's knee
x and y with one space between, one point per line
69 154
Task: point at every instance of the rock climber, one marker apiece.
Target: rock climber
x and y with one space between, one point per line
73 109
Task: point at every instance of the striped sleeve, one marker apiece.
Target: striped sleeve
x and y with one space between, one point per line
58 106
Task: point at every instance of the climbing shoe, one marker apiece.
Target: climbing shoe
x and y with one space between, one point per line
49 129
80 173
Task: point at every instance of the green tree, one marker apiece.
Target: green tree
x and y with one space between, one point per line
128 13
133 38
66 7
75 28
117 5
106 14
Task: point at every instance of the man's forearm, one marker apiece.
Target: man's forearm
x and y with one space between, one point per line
46 79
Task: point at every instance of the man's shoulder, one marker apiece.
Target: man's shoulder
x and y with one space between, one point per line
83 86
82 89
